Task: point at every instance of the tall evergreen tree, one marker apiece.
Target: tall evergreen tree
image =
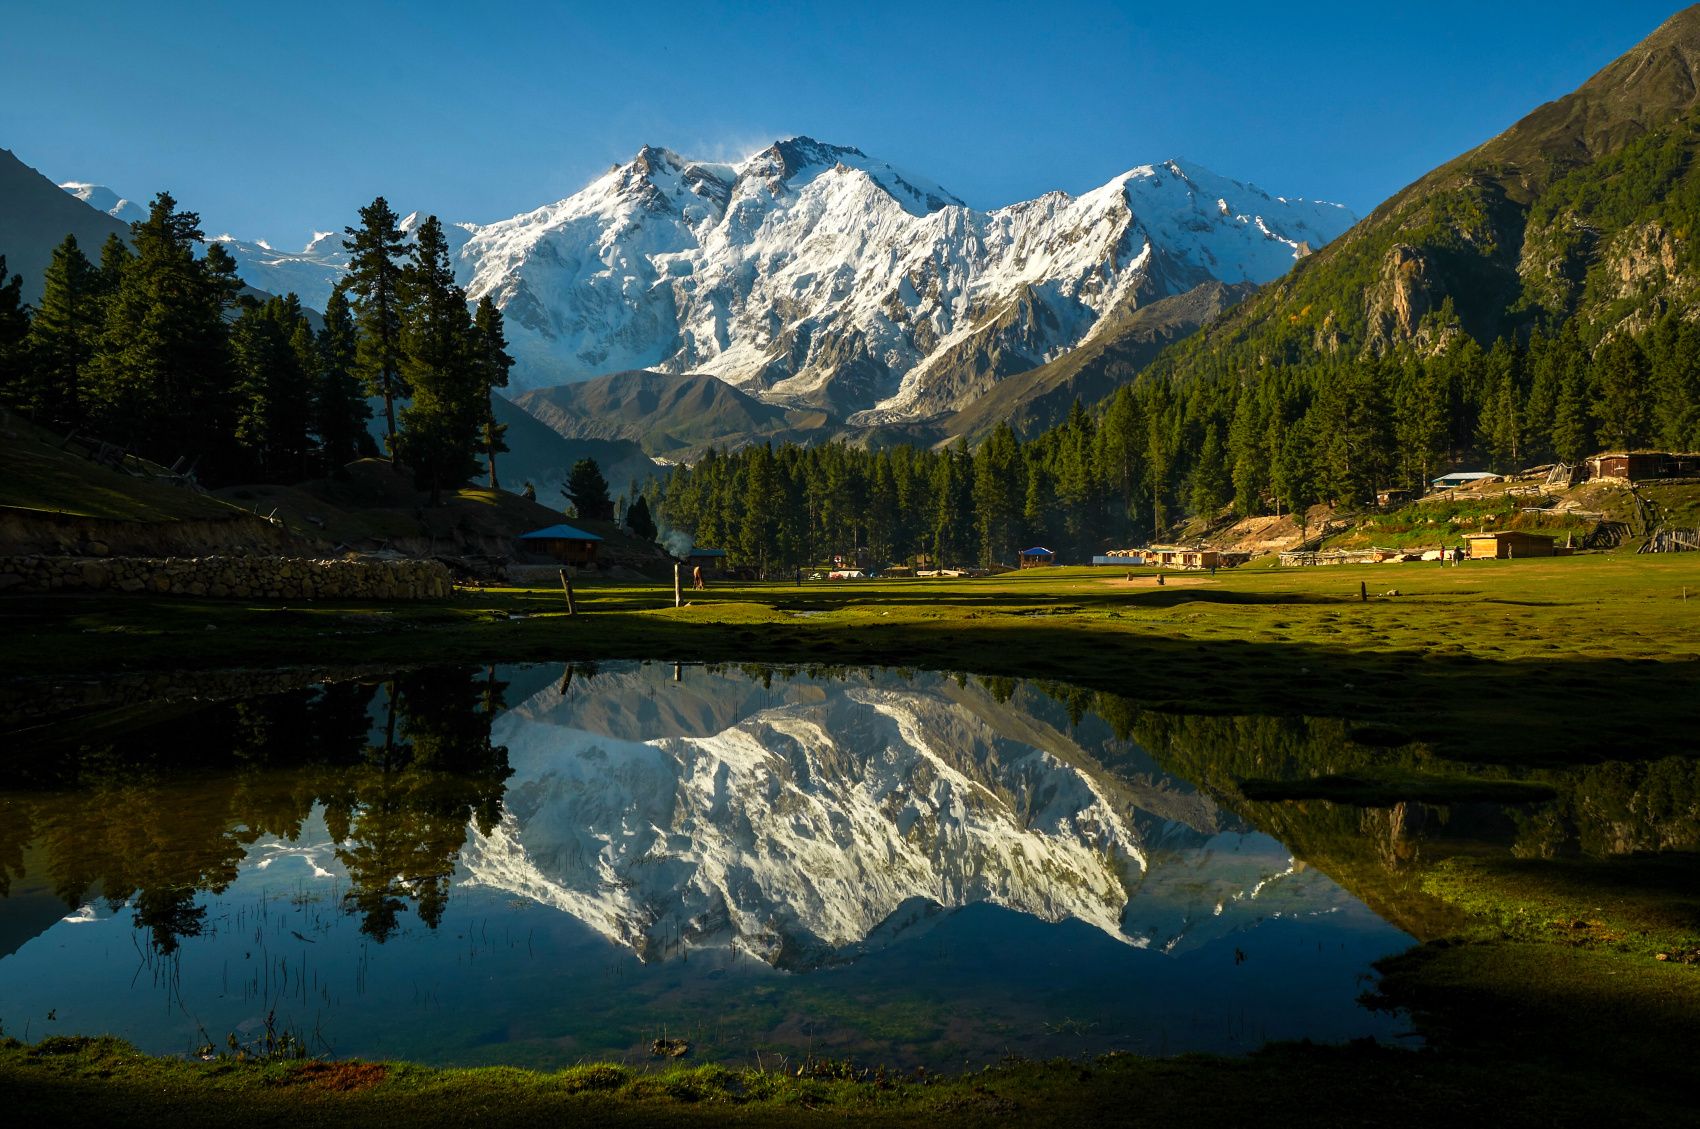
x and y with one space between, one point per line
1620 375
588 492
15 377
376 249
340 411
439 429
161 381
490 355
639 519
64 332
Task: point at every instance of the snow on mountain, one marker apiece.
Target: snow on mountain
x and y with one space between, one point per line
812 273
101 197
797 820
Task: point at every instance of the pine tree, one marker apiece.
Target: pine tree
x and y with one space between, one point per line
490 355
1620 375
161 380
439 429
1210 477
588 492
16 382
375 266
758 529
997 494
340 411
63 334
639 521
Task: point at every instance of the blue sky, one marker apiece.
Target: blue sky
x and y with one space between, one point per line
274 119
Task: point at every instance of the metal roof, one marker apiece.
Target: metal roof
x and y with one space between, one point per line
1037 551
559 533
697 552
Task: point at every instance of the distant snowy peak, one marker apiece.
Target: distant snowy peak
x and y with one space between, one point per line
105 199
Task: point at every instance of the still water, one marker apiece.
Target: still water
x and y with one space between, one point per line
545 864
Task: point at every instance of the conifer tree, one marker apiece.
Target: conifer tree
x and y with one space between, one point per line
1620 375
340 411
639 520
375 265
490 355
161 378
588 492
439 429
63 334
15 378
1210 479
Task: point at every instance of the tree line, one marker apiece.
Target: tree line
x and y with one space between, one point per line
158 349
1235 440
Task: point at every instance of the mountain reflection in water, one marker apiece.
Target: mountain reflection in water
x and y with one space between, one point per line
913 866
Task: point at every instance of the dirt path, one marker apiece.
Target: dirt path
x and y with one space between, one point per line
1151 581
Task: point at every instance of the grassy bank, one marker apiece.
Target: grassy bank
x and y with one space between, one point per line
106 1082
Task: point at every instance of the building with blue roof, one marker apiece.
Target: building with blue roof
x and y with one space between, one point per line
562 542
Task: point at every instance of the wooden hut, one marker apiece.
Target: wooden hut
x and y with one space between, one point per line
563 542
1507 544
1037 557
1639 466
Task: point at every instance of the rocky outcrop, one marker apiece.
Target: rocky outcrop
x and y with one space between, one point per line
242 578
1402 298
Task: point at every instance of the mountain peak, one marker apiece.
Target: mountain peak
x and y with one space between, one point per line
101 197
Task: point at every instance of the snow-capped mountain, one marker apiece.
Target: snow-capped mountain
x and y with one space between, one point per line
795 820
813 274
103 198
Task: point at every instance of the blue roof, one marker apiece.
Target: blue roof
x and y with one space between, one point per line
698 552
1037 551
559 533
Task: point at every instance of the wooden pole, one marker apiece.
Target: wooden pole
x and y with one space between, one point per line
678 672
567 590
678 585
1363 592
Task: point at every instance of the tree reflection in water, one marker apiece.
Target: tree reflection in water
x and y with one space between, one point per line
168 812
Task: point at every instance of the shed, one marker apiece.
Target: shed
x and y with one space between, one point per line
564 543
1037 557
1639 466
1460 478
1509 543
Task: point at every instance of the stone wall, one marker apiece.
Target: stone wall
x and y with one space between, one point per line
242 578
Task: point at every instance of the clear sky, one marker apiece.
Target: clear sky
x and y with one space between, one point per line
272 119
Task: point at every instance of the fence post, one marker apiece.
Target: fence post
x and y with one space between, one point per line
678 585
567 590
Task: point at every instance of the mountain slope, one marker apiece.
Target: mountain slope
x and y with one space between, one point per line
35 217
669 415
1112 356
1578 208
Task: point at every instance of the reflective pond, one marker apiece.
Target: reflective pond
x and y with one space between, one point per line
540 865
